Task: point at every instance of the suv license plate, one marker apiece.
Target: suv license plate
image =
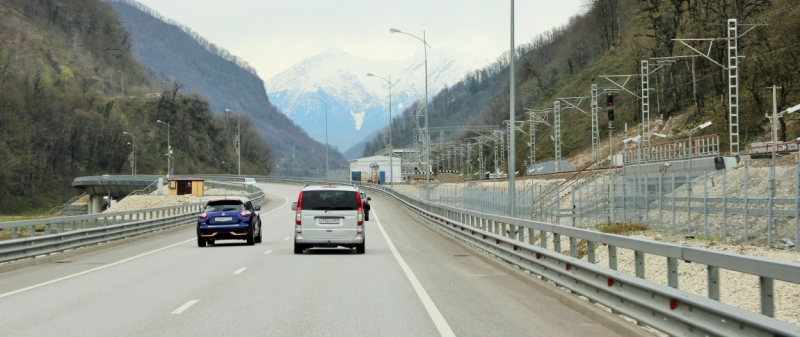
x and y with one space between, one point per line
329 221
223 219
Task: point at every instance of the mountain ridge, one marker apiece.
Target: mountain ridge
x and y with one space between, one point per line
358 105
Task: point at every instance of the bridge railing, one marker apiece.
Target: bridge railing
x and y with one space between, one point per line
536 246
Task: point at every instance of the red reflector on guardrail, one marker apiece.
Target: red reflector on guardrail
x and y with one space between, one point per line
610 282
673 303
568 266
538 256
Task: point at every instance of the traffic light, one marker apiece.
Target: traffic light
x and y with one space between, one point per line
610 99
610 115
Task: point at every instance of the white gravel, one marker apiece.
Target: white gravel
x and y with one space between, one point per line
154 200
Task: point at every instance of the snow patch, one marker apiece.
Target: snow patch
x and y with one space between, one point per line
359 118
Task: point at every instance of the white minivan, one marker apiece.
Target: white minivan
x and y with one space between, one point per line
329 216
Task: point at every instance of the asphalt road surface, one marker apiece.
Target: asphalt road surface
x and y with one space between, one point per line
412 281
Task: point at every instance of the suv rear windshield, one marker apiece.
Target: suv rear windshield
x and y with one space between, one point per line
330 200
224 206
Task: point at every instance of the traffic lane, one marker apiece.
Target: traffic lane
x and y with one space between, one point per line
475 297
321 292
123 297
21 278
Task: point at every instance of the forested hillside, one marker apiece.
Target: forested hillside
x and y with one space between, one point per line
172 52
61 114
611 38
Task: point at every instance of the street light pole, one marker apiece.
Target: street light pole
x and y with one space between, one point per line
512 124
133 167
238 141
133 149
122 82
425 47
326 134
391 149
169 149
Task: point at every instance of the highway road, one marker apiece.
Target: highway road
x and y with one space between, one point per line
412 281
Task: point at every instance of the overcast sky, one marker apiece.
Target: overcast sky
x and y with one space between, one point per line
273 35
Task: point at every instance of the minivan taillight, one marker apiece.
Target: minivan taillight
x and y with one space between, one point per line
297 216
360 216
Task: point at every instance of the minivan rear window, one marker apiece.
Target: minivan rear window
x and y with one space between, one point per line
330 200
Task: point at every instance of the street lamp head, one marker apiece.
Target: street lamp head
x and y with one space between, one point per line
159 121
659 135
704 125
793 109
370 74
125 132
394 30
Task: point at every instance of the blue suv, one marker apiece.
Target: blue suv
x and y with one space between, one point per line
230 218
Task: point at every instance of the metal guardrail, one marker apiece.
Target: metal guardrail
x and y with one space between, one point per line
664 308
703 146
73 232
62 233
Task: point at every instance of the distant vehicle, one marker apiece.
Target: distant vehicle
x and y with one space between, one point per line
229 218
365 201
249 181
329 216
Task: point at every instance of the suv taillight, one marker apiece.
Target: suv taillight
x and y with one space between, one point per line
245 213
360 216
204 215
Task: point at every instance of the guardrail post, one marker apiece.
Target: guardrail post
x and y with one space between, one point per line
557 242
573 246
639 257
713 283
33 231
14 233
47 229
672 272
767 299
590 251
543 239
612 257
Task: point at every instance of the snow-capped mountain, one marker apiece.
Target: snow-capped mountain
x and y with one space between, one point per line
357 104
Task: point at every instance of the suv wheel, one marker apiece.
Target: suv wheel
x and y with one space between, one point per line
201 242
251 237
260 230
298 248
361 248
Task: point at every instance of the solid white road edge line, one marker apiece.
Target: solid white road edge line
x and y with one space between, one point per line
267 252
239 271
433 312
112 264
184 307
92 270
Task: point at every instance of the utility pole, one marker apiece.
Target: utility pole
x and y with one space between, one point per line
511 147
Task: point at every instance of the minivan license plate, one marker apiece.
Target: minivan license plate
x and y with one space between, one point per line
329 221
223 219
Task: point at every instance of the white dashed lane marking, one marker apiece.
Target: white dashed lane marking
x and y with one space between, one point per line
184 307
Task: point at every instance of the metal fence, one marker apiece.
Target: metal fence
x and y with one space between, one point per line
730 206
